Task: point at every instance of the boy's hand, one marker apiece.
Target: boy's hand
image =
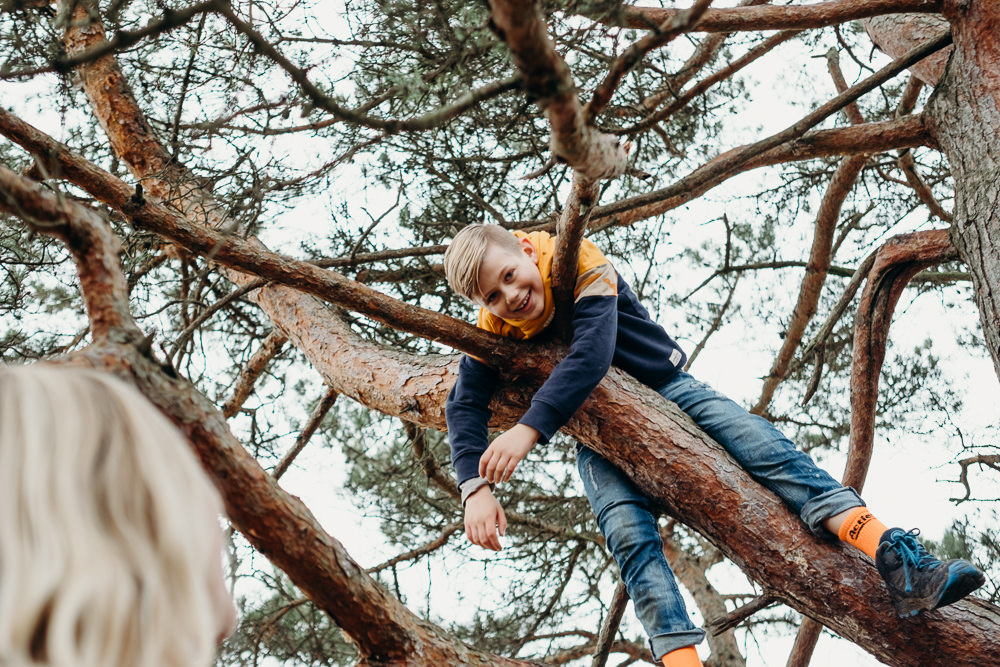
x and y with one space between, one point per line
500 459
483 517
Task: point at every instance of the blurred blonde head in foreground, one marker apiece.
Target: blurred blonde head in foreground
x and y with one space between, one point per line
110 545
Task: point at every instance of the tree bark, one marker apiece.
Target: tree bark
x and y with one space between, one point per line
964 116
894 34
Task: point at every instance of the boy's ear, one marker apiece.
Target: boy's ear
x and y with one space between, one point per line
529 250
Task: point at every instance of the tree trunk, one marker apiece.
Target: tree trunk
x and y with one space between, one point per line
964 114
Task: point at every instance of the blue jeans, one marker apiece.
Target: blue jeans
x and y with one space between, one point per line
628 523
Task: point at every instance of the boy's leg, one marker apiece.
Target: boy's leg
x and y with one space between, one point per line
633 538
763 451
916 580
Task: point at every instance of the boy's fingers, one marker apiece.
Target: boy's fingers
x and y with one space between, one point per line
485 461
502 522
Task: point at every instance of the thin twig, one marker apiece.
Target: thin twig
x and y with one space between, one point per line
428 121
315 419
740 614
609 628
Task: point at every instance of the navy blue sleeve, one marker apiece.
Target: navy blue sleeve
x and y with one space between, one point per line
467 411
595 328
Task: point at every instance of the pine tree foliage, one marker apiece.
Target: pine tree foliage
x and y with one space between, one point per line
360 136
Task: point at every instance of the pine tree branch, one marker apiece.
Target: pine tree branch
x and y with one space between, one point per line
783 17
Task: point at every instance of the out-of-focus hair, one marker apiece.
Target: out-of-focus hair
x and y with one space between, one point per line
109 532
466 251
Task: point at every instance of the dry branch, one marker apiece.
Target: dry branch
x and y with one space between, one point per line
679 101
663 34
609 628
269 348
315 419
321 100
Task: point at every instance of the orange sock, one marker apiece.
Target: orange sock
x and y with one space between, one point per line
682 657
862 530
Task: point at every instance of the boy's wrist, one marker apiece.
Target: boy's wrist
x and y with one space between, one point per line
472 486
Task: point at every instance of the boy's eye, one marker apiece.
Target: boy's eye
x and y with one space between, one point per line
508 275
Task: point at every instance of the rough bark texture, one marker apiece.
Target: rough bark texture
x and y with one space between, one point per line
964 115
894 34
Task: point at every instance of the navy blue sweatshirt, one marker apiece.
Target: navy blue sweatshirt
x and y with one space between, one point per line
608 328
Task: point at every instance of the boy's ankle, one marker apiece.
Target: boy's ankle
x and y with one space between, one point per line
682 657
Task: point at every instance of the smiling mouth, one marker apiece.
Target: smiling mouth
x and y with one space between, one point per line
523 304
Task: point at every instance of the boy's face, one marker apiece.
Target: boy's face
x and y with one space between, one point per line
510 285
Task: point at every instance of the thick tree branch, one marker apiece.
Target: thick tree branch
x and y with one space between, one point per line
91 242
895 34
869 139
784 17
284 530
547 78
569 232
895 263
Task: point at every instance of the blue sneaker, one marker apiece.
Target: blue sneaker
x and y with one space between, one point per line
917 581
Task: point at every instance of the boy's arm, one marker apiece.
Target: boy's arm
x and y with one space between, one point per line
467 412
595 328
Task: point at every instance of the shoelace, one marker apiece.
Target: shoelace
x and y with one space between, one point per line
912 553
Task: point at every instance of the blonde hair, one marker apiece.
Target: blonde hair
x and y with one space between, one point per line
109 532
466 251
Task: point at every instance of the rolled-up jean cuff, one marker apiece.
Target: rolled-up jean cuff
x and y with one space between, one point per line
661 645
822 507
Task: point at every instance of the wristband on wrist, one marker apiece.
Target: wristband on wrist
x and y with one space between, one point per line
470 486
